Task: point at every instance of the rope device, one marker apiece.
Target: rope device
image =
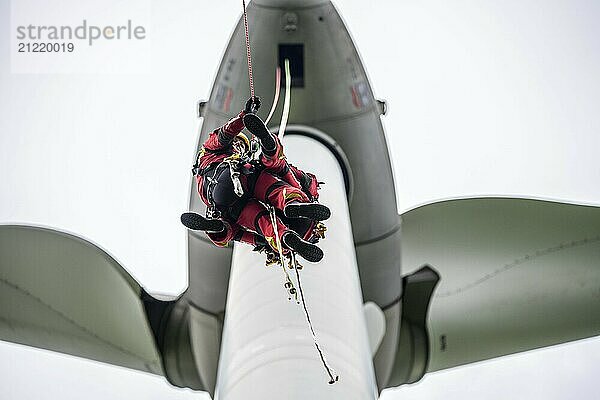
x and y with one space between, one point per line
248 54
293 263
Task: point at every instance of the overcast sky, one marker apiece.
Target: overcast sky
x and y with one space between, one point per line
485 97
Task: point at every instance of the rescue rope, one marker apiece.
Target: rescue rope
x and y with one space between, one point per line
289 285
286 103
332 378
276 98
248 54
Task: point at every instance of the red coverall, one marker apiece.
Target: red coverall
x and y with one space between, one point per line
278 185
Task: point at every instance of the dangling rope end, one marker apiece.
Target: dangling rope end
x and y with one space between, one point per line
332 376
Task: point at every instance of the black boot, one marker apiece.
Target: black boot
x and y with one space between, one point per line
315 211
258 129
306 250
197 222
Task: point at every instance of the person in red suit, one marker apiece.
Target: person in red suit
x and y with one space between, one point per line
236 187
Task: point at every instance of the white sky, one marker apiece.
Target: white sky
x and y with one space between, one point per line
485 97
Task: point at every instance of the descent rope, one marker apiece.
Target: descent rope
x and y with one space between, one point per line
276 97
289 284
333 378
248 54
286 103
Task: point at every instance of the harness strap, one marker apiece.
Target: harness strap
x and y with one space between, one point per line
212 174
197 170
219 151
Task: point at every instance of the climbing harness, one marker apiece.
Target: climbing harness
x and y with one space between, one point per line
293 263
234 164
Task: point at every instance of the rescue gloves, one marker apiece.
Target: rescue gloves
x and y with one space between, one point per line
252 105
305 249
197 222
255 125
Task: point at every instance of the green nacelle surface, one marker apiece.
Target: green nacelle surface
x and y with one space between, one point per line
516 275
62 293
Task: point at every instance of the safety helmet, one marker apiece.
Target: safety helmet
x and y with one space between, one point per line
241 143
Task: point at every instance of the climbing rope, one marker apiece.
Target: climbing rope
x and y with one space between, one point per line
289 284
292 292
286 103
248 54
333 378
276 97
